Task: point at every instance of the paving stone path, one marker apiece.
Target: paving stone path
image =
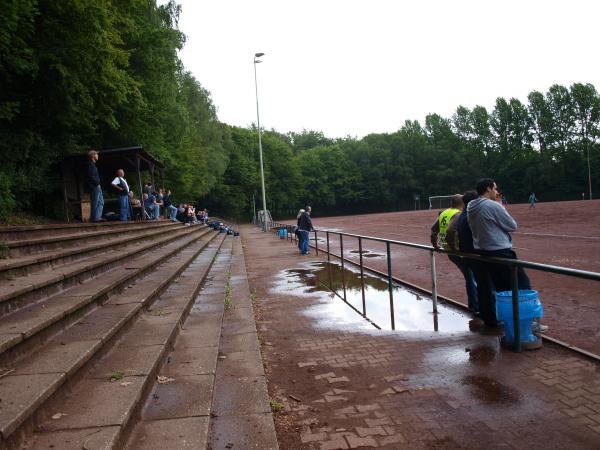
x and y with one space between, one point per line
345 385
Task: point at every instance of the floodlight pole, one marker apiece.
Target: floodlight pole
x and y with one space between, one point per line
262 173
589 169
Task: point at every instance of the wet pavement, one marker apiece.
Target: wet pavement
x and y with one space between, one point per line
412 311
343 383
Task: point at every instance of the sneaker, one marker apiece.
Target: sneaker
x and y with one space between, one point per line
537 327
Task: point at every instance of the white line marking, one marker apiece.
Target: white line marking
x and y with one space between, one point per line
556 235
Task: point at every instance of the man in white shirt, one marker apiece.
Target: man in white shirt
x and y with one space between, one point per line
122 188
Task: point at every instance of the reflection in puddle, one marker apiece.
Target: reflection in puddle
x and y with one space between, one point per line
412 311
490 391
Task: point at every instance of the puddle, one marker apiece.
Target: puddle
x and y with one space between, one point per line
489 390
366 254
412 311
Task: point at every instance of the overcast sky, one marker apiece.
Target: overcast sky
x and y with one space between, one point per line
349 67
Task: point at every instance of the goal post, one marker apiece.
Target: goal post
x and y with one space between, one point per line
440 201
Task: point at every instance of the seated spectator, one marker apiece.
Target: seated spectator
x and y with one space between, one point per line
136 206
151 207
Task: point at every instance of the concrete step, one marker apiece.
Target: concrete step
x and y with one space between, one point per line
28 327
71 370
18 233
29 246
218 397
104 409
24 265
24 291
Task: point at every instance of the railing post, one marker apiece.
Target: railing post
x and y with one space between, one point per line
316 244
433 283
514 280
328 254
343 270
390 286
362 277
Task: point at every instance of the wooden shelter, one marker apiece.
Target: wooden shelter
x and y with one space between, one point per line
133 160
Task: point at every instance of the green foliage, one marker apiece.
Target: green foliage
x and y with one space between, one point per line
80 74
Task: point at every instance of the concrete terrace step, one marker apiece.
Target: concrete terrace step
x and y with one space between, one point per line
28 246
15 294
24 265
73 368
20 326
218 396
96 412
17 233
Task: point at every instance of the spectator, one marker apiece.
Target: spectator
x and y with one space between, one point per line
122 188
460 238
92 181
491 226
151 207
297 229
170 210
147 189
305 226
136 206
159 198
439 237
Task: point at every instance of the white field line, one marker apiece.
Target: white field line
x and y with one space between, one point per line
555 235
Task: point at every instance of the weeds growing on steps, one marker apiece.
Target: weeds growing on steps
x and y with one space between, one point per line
228 290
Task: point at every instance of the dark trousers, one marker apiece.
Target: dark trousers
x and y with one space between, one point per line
496 278
470 283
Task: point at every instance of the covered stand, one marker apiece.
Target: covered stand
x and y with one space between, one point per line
133 160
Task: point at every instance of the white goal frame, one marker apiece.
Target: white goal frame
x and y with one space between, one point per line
436 197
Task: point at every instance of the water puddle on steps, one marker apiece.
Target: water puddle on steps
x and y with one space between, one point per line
412 311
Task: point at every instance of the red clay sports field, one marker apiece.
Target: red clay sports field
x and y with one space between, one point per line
559 233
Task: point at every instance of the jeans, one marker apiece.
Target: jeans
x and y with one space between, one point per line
124 207
97 204
171 211
303 241
153 211
470 284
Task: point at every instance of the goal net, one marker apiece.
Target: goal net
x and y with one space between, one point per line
440 201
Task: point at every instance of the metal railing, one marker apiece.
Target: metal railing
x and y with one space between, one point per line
513 264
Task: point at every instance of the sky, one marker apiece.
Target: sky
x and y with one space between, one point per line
350 68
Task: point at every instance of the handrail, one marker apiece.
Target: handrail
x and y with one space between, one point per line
512 263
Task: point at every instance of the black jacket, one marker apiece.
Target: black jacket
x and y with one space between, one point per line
92 178
304 222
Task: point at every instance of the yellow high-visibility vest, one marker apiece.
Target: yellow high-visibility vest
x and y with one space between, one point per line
444 221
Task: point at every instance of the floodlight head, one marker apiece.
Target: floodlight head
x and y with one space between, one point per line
258 55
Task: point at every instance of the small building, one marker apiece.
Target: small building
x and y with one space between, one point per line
133 160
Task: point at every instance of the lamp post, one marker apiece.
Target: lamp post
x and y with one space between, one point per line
262 173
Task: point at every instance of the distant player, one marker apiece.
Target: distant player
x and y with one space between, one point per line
532 200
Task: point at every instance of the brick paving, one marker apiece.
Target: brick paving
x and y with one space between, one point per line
344 385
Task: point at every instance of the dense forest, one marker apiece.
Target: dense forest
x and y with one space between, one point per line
81 74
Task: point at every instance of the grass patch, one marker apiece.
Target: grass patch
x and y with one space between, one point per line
253 298
117 375
275 405
228 291
3 250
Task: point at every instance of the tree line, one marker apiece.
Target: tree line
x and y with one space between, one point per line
81 74
541 146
